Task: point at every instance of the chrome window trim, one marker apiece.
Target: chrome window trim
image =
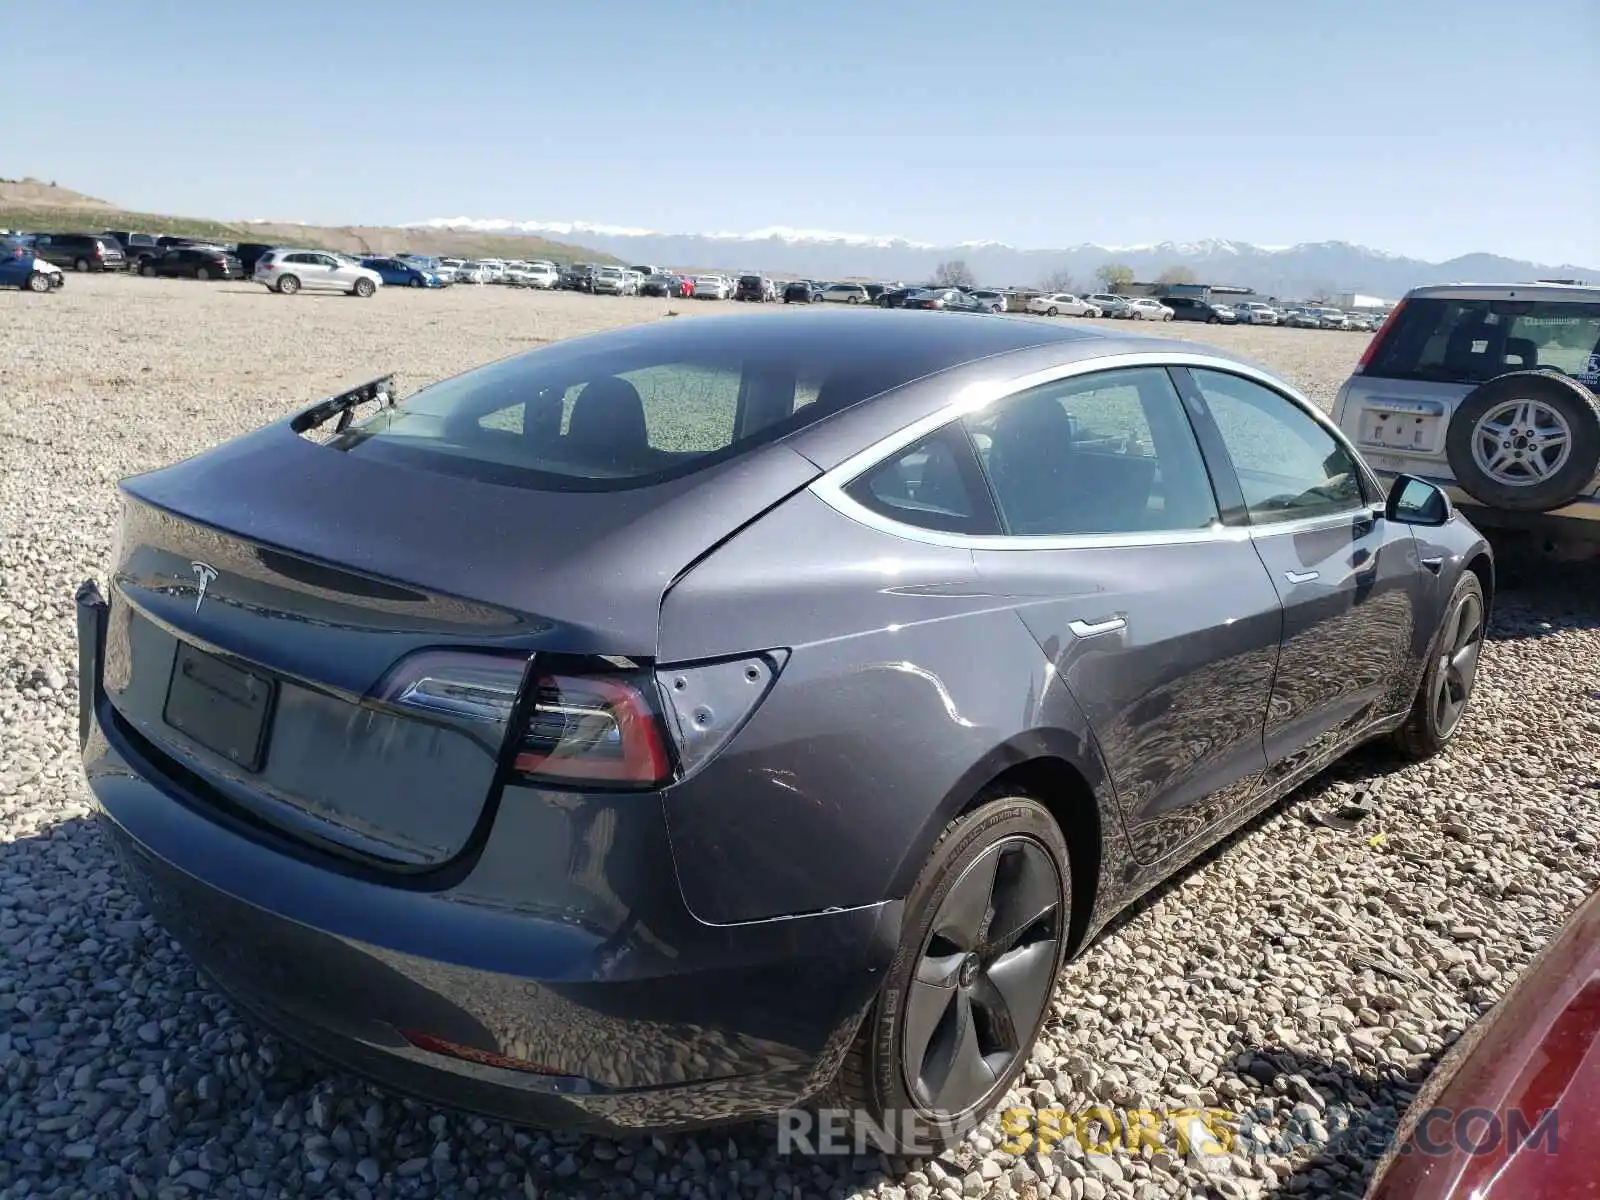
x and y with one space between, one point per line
830 487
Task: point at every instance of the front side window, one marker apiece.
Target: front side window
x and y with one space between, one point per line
1110 452
1289 466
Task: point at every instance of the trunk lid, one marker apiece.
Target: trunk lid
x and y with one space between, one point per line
264 589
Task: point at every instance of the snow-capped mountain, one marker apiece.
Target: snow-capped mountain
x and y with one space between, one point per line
1321 268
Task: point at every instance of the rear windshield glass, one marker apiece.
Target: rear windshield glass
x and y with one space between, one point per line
1470 341
619 410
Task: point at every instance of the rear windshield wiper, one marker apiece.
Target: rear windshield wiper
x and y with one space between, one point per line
344 405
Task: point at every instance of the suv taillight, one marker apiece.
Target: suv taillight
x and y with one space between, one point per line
99 250
1377 339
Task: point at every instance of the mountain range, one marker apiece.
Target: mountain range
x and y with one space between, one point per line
1307 269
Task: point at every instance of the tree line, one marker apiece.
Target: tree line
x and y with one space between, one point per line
1112 277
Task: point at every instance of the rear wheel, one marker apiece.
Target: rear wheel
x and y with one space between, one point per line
38 282
81 264
1450 674
968 989
147 269
1052 311
364 288
288 285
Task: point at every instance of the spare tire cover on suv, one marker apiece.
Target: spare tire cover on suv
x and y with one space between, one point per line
1528 441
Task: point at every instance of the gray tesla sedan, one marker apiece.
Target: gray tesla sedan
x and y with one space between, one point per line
682 723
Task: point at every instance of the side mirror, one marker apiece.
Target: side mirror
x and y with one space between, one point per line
1414 501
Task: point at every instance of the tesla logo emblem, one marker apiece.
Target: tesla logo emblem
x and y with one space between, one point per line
205 573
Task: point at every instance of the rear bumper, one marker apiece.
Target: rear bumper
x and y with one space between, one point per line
564 946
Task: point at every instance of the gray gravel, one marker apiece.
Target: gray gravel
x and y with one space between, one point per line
1301 978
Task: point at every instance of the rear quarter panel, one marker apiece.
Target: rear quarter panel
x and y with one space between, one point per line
909 687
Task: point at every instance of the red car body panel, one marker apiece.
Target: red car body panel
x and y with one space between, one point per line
1535 1056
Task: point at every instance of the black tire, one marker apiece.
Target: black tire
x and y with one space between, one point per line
363 288
147 269
1213 320
1450 673
288 285
81 264
1029 856
38 281
201 274
1575 404
415 282
1052 311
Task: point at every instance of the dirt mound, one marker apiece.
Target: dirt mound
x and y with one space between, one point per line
37 192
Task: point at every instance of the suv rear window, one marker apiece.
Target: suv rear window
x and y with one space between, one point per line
1470 341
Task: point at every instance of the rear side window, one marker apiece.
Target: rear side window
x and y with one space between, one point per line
1109 452
935 485
1470 341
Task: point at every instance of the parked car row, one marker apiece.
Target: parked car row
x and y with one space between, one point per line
194 258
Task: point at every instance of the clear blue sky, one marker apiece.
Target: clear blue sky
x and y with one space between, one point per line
1427 127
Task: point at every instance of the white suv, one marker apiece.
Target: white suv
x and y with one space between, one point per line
287 271
1489 391
1253 312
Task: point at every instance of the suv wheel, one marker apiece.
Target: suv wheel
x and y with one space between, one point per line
1527 441
288 285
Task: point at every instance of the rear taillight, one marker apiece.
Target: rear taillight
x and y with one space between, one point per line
1377 338
99 250
571 725
592 729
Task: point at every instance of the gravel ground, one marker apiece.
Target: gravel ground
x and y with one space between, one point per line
1302 975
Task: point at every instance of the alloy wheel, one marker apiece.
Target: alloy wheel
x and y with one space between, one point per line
984 976
1458 664
1521 442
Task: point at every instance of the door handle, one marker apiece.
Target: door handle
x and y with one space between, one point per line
1086 629
1302 576
1434 562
